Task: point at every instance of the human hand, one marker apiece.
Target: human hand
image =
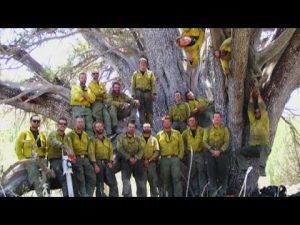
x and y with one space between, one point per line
146 163
132 160
96 168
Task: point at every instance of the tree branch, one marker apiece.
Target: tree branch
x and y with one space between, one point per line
123 65
137 40
284 80
275 47
23 57
52 106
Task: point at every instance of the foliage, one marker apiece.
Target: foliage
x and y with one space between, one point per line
283 166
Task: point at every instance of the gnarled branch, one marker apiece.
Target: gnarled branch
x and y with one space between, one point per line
275 47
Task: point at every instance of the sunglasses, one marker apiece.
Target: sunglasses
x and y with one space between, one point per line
36 121
95 73
64 124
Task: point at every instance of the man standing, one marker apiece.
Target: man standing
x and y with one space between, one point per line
144 89
99 110
179 113
31 144
131 152
151 153
193 141
259 135
101 155
216 141
200 108
171 150
120 105
81 100
58 142
85 174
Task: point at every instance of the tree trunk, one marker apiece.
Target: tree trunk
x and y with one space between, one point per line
165 59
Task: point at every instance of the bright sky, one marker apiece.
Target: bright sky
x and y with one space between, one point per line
51 54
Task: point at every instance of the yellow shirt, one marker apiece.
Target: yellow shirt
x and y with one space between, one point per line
172 145
54 143
194 143
259 129
77 96
194 49
149 147
216 138
101 149
98 90
200 100
179 112
144 82
24 144
80 145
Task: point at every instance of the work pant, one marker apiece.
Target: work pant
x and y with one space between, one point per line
86 113
138 173
170 176
85 177
256 151
106 175
217 171
198 174
100 113
151 176
146 106
119 114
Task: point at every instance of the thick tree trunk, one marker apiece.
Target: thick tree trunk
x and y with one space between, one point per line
165 59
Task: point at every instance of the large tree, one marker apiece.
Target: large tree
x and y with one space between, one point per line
271 54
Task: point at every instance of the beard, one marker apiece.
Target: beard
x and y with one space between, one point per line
147 131
116 92
99 132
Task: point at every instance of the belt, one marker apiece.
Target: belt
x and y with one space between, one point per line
104 160
169 156
41 157
81 156
81 106
143 90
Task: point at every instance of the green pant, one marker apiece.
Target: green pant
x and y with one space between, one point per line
100 113
119 114
257 151
179 125
170 177
146 106
204 118
34 175
106 175
151 176
86 113
85 177
217 171
138 174
56 165
198 174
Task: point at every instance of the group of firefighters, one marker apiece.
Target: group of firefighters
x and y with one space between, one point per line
188 137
